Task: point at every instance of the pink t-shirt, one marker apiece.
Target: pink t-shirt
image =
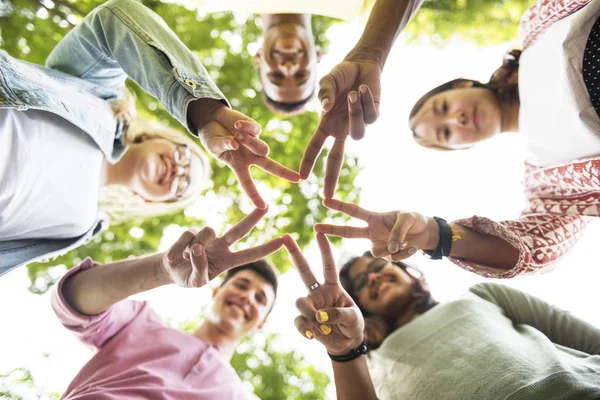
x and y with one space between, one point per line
137 356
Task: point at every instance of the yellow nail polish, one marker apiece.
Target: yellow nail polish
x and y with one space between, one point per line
324 316
309 334
325 329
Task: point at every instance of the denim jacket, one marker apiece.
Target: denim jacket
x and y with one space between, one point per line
84 73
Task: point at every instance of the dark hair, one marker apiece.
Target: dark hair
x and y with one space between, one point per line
287 108
503 83
263 268
421 297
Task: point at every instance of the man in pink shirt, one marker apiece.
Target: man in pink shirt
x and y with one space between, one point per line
137 356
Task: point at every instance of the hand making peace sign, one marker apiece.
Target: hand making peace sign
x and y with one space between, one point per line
195 259
328 313
350 96
396 234
232 137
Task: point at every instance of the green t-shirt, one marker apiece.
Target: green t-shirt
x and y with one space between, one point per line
494 343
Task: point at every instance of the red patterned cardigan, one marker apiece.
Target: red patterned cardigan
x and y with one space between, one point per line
561 199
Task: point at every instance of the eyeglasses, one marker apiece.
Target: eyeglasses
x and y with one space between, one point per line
361 280
181 182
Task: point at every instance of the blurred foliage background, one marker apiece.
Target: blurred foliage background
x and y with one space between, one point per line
29 29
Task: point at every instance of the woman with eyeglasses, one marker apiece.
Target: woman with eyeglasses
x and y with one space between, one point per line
493 343
70 145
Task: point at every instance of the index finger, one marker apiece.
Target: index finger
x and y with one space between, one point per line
274 168
313 149
329 270
242 228
335 159
345 231
257 252
299 261
348 208
245 179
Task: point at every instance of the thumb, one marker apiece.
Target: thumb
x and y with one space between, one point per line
219 144
234 120
327 92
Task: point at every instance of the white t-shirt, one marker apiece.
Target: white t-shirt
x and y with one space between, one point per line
49 176
556 114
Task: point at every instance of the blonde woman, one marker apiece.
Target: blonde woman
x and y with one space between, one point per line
60 142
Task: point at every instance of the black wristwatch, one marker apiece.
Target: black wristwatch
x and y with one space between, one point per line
353 355
444 243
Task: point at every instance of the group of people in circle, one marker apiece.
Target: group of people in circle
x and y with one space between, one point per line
386 334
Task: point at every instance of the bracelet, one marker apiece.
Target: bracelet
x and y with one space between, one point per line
353 354
444 243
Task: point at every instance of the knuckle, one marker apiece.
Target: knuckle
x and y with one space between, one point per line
299 303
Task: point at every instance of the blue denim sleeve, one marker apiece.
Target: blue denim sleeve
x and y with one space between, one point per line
121 39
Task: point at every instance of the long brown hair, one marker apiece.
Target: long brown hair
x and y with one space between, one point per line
503 83
421 299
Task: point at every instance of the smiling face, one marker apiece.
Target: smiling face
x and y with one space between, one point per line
163 170
457 118
380 287
287 63
242 303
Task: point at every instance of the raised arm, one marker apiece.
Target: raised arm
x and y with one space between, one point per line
121 39
350 94
329 315
192 261
488 248
560 326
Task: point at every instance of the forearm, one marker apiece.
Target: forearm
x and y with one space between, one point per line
122 38
94 290
387 19
560 326
352 379
492 251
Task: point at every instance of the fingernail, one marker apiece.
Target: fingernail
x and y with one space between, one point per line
197 251
309 334
412 251
170 257
324 102
404 244
393 247
363 89
323 316
238 125
325 329
353 97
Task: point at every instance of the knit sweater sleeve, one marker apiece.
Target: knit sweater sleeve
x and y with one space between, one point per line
542 15
542 239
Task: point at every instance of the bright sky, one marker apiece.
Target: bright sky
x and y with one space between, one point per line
397 175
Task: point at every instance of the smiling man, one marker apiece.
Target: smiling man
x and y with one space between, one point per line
137 356
288 56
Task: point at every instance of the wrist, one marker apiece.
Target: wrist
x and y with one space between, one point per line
366 53
201 111
352 345
161 274
351 354
434 234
